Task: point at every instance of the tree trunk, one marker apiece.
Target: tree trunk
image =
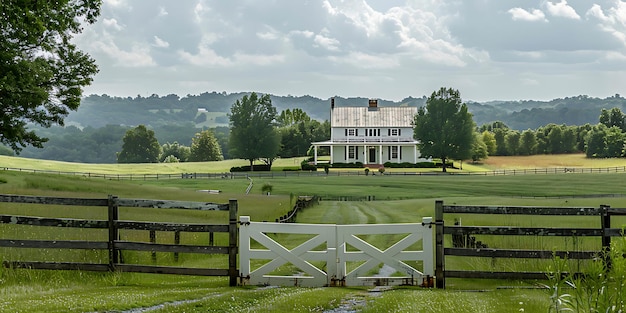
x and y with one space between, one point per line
251 166
443 164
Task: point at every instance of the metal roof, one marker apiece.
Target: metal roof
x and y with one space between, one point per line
373 117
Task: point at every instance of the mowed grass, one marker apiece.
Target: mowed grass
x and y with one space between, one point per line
400 199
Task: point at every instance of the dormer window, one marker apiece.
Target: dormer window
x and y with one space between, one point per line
372 132
394 132
352 132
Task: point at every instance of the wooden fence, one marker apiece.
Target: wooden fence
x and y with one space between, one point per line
114 245
604 232
333 172
302 202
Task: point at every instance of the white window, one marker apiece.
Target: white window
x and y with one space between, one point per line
394 132
352 132
351 153
372 132
394 152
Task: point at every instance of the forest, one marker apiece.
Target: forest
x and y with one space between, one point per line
93 133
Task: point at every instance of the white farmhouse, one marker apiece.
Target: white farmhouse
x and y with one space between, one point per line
371 135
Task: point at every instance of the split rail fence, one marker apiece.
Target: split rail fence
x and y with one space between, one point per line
114 245
603 232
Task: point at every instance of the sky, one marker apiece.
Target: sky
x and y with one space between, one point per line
386 49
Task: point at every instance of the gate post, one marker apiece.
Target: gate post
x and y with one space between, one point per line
427 246
232 241
605 222
440 262
244 248
113 216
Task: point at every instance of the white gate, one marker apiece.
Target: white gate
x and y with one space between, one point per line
329 251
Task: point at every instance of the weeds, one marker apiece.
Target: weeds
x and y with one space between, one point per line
599 288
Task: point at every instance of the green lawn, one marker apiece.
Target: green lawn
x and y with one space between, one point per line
400 199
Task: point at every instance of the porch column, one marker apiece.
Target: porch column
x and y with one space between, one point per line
380 154
315 155
365 154
415 154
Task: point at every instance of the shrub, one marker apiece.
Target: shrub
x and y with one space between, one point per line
367 171
257 168
381 170
348 165
171 159
410 165
309 167
267 188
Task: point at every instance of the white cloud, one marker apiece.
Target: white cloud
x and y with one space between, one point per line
379 48
162 12
519 14
327 43
160 43
112 23
137 56
613 21
562 9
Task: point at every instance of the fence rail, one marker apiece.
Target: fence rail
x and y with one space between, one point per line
603 231
359 172
114 245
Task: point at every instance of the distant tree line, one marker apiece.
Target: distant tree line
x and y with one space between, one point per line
605 139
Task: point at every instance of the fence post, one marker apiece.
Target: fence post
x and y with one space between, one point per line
153 255
176 242
113 215
439 254
232 241
605 222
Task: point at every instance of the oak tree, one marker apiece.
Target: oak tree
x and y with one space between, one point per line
42 73
253 133
444 128
140 146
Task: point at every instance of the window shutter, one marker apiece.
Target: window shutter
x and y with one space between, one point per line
399 131
400 152
389 152
389 132
356 132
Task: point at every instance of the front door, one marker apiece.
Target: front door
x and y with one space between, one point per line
372 153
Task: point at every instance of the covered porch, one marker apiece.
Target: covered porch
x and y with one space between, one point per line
369 153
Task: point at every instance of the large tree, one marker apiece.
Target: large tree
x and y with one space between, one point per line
253 133
444 128
204 147
41 72
140 146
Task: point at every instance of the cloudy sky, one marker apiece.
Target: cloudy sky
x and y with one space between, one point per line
389 49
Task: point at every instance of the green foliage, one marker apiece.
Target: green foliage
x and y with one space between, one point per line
348 165
528 143
140 146
600 288
267 188
490 142
253 133
171 159
614 117
42 72
176 150
444 128
4 150
204 147
479 148
605 142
